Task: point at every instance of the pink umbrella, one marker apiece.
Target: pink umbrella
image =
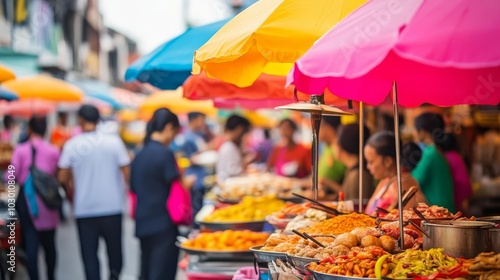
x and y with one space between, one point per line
440 52
27 108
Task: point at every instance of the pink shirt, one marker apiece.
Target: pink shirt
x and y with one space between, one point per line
461 183
46 160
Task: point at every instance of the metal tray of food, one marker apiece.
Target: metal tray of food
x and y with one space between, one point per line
300 263
266 256
325 276
253 226
217 254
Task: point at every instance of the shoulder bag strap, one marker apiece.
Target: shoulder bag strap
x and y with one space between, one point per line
33 156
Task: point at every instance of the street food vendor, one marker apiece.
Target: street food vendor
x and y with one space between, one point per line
347 152
290 159
380 155
231 161
433 172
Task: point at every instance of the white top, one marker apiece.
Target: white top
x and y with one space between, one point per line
95 159
230 161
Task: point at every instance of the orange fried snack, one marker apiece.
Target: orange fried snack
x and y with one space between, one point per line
341 224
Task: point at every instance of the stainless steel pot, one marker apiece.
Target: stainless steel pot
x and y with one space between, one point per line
458 238
495 240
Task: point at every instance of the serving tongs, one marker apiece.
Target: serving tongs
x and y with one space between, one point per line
306 236
314 240
419 214
327 208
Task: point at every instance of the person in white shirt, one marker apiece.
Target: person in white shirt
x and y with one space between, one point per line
231 162
93 168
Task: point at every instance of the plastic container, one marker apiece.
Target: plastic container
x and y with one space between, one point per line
246 273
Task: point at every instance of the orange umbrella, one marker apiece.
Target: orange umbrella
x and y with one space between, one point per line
44 87
6 74
266 87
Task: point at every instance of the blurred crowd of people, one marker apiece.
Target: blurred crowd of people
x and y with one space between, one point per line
95 170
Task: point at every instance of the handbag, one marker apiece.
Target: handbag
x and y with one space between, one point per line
46 185
179 204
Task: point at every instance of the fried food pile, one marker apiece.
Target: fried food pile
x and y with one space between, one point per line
341 224
486 266
359 262
227 240
429 212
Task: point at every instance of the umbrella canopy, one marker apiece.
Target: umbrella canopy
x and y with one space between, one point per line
27 108
268 91
440 52
100 91
174 101
126 97
267 37
169 65
43 87
6 74
7 95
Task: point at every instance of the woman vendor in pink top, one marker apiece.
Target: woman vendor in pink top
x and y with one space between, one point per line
38 223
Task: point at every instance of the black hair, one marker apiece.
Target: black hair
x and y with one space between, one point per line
38 125
411 154
348 138
290 122
194 115
449 143
89 113
62 114
431 123
161 118
7 121
267 133
333 121
235 121
384 143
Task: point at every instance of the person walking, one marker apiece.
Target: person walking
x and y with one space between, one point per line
94 166
38 222
153 171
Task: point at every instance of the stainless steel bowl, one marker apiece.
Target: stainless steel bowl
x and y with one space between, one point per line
300 263
219 255
458 238
324 276
491 219
265 256
253 226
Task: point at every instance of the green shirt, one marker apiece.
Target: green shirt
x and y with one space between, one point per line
434 177
329 167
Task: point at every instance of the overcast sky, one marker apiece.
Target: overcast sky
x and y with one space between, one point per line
153 22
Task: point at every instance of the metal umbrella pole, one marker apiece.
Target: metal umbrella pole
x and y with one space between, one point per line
398 163
361 162
315 123
317 108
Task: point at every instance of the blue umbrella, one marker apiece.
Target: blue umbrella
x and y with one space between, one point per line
98 90
8 95
170 65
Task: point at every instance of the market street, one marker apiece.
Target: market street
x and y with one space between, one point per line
69 264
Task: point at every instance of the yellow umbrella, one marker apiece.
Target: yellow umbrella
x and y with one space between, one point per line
260 120
173 100
44 87
128 115
6 74
268 37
